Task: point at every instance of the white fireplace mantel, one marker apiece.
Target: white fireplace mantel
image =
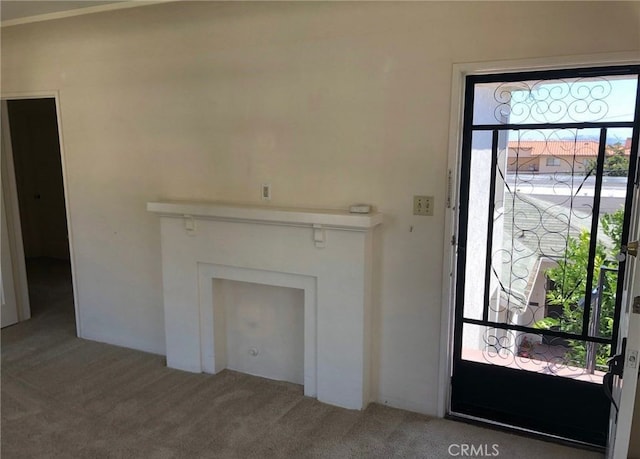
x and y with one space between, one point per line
328 254
271 215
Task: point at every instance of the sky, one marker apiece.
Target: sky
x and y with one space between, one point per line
582 100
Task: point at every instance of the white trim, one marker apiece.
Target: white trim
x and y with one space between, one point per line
548 63
80 12
459 72
48 93
450 226
54 94
67 208
14 228
624 390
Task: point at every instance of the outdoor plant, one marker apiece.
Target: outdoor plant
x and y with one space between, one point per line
526 348
569 285
616 163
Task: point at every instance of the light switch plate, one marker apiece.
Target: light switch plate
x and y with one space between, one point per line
423 205
266 192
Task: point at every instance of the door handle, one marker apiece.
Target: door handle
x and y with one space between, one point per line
630 249
616 367
616 364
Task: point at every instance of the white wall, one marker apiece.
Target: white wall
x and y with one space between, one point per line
332 103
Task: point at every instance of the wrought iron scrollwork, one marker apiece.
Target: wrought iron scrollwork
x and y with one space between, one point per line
552 101
559 147
531 352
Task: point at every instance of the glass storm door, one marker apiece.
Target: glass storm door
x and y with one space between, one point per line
548 169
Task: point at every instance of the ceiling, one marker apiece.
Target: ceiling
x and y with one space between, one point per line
21 9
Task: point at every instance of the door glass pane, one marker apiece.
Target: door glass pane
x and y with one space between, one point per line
611 218
543 257
610 98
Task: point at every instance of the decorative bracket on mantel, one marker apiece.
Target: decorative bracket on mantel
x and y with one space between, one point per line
319 236
317 219
189 225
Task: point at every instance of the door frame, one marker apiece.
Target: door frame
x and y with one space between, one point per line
454 157
13 211
624 390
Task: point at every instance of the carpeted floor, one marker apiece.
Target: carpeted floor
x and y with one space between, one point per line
63 397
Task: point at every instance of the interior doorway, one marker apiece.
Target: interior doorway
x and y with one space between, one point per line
39 242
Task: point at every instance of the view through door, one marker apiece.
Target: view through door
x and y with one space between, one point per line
548 168
35 146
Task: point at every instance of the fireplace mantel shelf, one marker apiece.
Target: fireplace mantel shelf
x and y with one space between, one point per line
266 214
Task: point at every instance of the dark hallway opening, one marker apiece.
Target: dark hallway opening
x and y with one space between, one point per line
40 190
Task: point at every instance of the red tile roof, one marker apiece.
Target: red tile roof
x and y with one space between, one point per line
587 148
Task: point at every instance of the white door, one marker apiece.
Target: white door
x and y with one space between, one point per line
624 389
7 287
14 292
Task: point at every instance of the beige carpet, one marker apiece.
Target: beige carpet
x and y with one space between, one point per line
64 397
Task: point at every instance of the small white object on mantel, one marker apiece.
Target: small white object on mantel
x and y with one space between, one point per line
325 253
360 208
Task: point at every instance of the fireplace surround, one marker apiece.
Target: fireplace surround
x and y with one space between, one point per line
325 253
